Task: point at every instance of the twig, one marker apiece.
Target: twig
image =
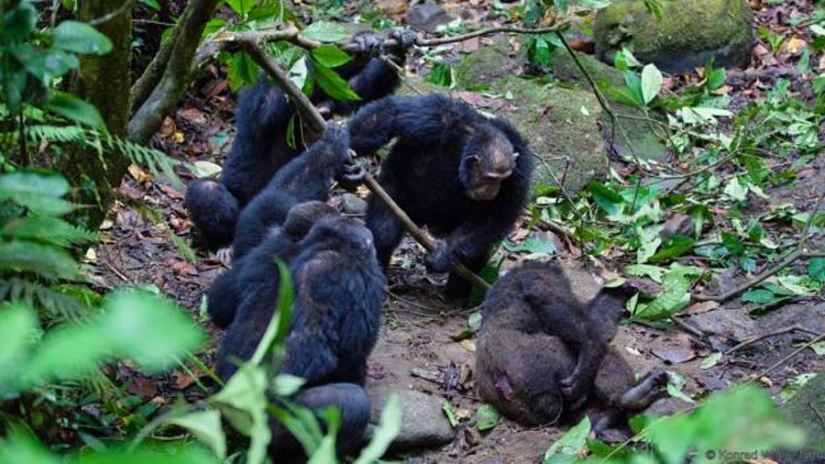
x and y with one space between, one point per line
755 338
687 327
483 32
317 124
110 16
791 356
797 253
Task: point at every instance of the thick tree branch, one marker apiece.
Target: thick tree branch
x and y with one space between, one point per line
174 79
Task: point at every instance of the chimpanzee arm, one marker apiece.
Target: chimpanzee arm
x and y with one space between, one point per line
434 120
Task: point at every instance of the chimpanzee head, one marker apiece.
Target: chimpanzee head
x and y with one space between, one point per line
487 159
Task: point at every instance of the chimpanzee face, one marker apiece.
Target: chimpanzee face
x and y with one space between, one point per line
487 160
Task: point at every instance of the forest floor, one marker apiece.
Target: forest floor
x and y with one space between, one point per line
417 348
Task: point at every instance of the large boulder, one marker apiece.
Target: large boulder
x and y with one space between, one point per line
689 33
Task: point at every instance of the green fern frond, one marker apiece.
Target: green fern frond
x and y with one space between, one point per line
55 304
48 230
52 263
48 133
155 161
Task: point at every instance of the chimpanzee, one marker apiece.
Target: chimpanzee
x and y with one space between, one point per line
540 352
225 292
261 142
338 292
466 176
305 178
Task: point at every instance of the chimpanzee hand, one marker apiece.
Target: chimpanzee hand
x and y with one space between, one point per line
352 174
404 39
365 43
441 259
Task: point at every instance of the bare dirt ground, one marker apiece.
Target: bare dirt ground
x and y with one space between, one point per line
416 349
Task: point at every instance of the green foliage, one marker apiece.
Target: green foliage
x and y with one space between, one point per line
57 334
33 59
740 420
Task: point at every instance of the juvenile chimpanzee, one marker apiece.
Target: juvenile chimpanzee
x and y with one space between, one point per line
338 288
541 353
305 178
281 242
261 141
466 176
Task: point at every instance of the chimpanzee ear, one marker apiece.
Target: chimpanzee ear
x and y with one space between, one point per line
516 154
471 159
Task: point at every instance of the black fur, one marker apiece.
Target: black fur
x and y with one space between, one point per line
305 178
428 174
338 292
261 148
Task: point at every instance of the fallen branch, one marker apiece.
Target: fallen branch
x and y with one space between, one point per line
755 338
799 252
316 123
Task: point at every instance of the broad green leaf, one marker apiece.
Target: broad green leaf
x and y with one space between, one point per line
19 22
711 360
325 31
21 448
205 169
45 65
672 437
32 183
673 298
287 385
449 410
608 200
156 455
571 443
531 245
240 7
487 417
673 247
732 244
388 428
474 321
654 272
736 190
333 85
75 109
330 56
647 249
241 70
798 285
651 83
150 330
715 78
299 74
206 425
80 37
816 269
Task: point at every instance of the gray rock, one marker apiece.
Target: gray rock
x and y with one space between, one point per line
423 421
427 17
806 316
689 33
353 204
730 323
804 410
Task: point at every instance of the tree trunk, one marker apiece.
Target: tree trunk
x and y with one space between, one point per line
104 81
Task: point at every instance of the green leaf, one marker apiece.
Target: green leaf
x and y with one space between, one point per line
333 85
19 447
674 296
487 417
816 269
449 411
20 22
287 385
46 229
206 425
240 7
651 83
388 428
531 245
716 78
44 65
330 56
732 244
75 109
673 247
608 200
736 190
325 31
78 37
759 296
134 318
654 272
571 443
23 187
710 361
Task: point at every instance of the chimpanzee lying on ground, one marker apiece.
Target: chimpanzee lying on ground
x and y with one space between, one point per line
540 353
338 288
261 142
465 176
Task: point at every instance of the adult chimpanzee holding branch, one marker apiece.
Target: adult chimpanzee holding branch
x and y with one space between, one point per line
338 288
261 143
465 176
542 356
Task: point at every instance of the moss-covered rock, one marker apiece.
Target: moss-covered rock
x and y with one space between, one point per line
689 33
806 409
